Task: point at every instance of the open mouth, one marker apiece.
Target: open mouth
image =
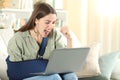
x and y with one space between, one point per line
46 32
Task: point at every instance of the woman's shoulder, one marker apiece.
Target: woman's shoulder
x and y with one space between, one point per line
22 34
19 36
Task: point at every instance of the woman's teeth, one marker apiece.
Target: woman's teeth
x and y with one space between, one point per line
46 31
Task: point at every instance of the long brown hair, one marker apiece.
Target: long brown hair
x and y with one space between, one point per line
41 9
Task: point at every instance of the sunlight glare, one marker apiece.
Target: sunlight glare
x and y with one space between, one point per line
108 7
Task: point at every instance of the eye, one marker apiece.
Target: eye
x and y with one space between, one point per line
47 22
54 22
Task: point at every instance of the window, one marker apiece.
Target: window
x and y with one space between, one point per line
108 7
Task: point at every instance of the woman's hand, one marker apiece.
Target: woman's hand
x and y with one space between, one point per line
66 32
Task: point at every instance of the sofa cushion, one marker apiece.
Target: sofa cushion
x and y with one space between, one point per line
3 67
116 71
91 67
107 64
5 35
3 48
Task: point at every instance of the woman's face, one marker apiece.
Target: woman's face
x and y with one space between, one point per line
45 25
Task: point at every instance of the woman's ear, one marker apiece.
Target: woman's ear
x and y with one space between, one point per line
36 21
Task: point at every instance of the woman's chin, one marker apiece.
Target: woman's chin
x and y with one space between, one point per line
45 36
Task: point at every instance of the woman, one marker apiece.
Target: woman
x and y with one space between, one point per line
27 46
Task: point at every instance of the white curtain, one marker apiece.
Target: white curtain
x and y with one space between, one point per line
97 21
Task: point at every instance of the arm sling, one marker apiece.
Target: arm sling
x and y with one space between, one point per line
22 69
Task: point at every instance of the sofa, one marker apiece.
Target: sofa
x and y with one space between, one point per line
96 67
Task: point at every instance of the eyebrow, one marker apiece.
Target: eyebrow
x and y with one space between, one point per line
50 21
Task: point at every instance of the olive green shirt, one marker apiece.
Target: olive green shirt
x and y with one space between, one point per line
22 46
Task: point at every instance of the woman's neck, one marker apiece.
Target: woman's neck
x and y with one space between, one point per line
36 35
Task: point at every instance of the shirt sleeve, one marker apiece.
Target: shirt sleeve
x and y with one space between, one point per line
60 40
15 49
56 41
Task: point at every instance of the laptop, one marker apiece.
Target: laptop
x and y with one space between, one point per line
66 60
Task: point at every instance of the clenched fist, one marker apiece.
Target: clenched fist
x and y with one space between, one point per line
66 32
